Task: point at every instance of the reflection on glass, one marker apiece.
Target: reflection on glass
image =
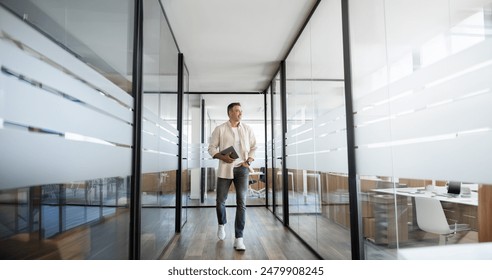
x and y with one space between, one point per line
63 221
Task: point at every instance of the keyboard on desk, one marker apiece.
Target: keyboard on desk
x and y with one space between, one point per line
450 195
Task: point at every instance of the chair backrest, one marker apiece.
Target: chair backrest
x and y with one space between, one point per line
263 177
430 215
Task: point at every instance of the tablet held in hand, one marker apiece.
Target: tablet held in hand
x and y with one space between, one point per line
231 152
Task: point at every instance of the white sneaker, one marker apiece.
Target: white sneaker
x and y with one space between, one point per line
221 234
239 244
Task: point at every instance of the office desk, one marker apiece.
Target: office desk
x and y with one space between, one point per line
414 192
457 209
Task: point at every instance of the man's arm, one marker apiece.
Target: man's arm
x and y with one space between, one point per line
252 146
213 146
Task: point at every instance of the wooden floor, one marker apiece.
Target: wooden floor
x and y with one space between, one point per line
265 238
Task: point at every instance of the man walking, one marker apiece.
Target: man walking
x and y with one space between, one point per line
233 168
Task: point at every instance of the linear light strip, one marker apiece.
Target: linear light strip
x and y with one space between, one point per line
426 107
67 135
435 138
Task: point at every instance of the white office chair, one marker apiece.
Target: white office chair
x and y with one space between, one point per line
291 177
431 218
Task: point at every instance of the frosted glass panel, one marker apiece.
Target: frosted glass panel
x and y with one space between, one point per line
453 117
149 126
207 160
331 142
305 162
194 153
15 28
326 139
298 137
373 133
332 161
465 158
155 162
38 159
32 106
300 148
332 122
442 101
158 135
374 161
421 95
34 69
56 126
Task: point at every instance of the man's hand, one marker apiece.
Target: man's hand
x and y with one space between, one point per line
247 163
225 158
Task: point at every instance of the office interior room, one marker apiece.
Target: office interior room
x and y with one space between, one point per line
364 113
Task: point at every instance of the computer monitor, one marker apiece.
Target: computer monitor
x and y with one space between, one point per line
454 187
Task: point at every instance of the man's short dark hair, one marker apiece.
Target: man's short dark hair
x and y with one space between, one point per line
229 108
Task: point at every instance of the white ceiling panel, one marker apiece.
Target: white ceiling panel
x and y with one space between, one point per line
234 45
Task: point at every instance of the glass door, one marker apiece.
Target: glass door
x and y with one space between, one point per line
277 153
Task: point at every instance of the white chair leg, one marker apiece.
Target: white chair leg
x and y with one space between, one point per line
442 239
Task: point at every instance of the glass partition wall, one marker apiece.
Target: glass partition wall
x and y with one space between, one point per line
66 124
421 93
66 129
277 151
422 127
186 147
159 133
316 149
269 148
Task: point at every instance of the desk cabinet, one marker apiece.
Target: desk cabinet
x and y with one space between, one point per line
386 219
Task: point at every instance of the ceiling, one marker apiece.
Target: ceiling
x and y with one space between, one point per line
234 45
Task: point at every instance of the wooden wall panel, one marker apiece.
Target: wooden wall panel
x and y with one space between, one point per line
485 213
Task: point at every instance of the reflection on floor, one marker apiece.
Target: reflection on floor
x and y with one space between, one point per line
231 200
329 239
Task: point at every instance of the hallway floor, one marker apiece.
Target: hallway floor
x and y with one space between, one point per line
265 238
